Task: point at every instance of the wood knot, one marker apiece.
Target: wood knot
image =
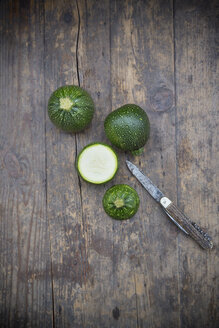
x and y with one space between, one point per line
161 99
116 313
12 165
67 17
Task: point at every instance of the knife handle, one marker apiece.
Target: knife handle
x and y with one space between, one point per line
189 227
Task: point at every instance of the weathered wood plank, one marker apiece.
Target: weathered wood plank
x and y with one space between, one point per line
69 262
107 273
142 72
94 71
197 146
113 262
26 299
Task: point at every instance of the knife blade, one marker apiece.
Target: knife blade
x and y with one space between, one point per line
183 222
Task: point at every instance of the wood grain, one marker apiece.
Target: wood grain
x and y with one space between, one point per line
64 262
142 72
197 146
94 72
69 263
26 295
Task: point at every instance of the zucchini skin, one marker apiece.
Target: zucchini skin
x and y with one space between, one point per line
127 195
79 116
127 127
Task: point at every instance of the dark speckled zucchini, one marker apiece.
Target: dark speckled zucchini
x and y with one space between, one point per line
71 108
128 128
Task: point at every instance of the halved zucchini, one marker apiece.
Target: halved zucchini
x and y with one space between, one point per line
121 202
97 163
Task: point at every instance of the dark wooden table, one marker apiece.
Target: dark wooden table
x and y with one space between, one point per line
64 262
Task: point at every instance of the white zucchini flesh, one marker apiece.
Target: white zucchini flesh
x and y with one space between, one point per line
97 163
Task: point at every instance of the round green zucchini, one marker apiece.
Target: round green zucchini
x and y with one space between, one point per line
71 108
128 128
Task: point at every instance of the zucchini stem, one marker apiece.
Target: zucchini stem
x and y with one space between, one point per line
66 103
119 202
137 152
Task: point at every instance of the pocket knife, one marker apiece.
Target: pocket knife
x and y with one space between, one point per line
189 227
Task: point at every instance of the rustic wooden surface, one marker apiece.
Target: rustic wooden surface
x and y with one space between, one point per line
63 262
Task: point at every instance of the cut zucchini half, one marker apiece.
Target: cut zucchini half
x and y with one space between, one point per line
121 202
97 163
